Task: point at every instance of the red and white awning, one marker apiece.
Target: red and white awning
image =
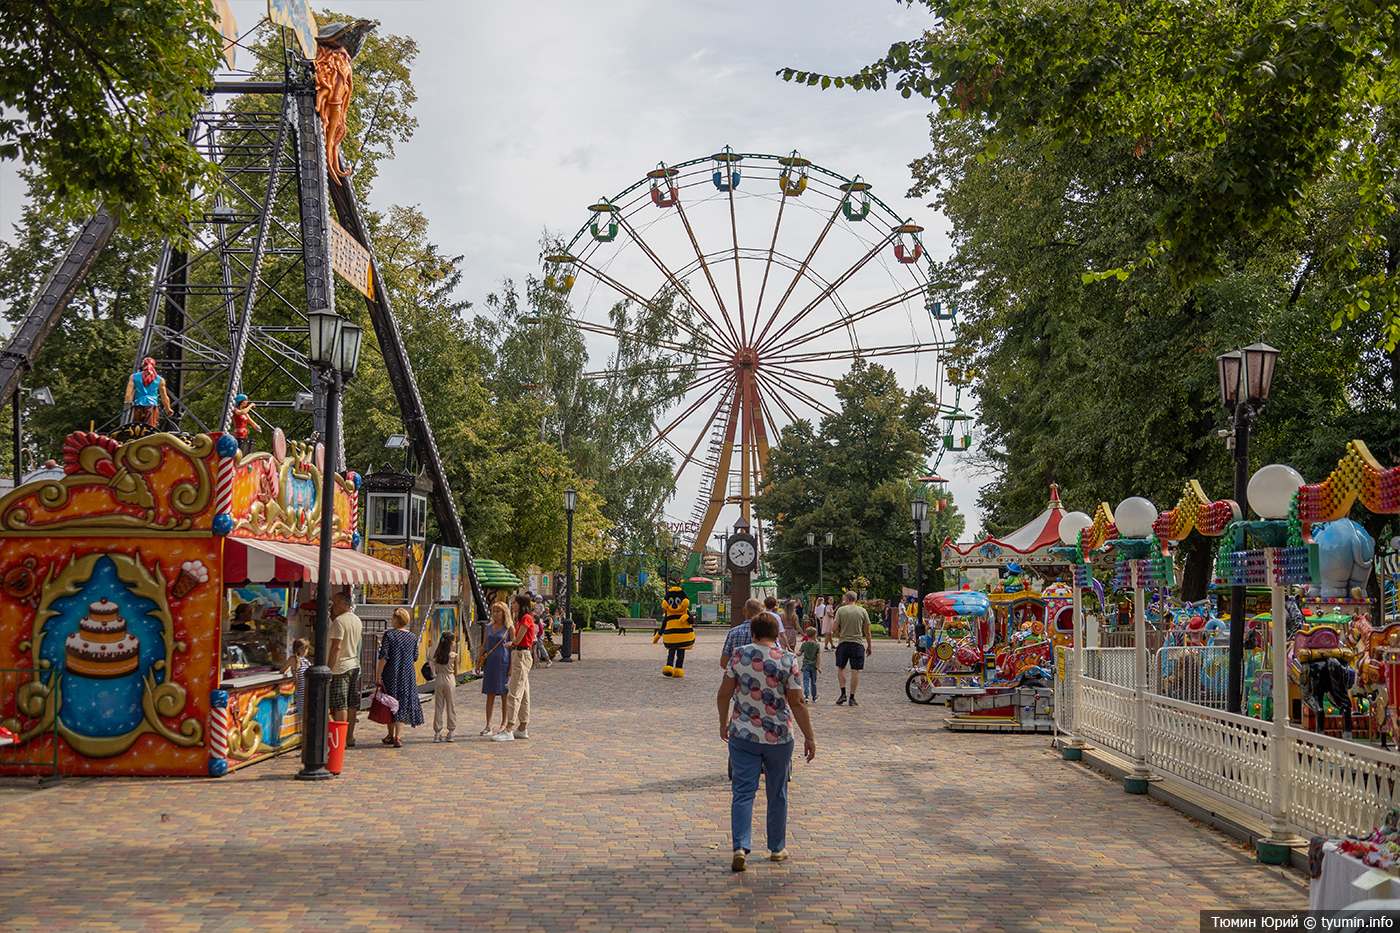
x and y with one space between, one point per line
247 560
1030 544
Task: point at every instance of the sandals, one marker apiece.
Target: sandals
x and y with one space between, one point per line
397 743
388 740
486 731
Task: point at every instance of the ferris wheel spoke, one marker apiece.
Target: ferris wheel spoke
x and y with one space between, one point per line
658 370
676 281
781 403
856 352
709 276
609 281
801 270
719 480
768 266
806 399
833 286
738 278
660 436
690 455
608 330
846 320
790 372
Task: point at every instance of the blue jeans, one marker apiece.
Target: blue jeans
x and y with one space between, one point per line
809 682
747 759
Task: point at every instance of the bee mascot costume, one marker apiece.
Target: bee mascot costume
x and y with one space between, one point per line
676 632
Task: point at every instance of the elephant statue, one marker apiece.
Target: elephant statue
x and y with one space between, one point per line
1346 554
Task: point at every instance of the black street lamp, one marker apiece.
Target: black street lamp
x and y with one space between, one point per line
812 542
1245 378
570 503
39 396
335 354
918 510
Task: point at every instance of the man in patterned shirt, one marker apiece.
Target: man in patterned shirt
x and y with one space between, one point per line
740 634
759 698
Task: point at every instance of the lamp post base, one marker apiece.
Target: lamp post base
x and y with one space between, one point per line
317 774
1071 753
567 660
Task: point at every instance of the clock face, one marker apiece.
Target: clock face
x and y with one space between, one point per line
742 553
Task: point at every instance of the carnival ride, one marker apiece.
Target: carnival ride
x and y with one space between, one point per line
776 274
229 303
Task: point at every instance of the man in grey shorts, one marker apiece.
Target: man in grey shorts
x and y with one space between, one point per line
852 626
344 636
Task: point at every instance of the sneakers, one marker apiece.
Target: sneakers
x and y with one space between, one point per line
503 737
741 860
449 738
852 701
841 701
437 737
521 734
779 856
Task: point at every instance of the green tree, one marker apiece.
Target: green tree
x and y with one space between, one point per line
1271 102
606 583
854 477
98 99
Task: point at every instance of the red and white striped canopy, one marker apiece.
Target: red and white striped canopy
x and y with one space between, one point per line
254 561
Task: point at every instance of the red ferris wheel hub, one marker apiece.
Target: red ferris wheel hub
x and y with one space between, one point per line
746 358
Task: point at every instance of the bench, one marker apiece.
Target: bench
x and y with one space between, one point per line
624 624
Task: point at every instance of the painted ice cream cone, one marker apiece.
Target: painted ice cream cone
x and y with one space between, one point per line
192 574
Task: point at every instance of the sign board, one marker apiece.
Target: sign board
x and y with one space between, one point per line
228 28
451 574
351 260
709 612
296 15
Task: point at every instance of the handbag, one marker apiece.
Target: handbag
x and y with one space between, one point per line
382 707
426 670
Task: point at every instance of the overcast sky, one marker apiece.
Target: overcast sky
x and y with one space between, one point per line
530 111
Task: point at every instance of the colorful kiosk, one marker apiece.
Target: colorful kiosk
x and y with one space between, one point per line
116 591
1014 696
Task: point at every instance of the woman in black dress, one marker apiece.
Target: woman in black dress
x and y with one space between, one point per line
398 658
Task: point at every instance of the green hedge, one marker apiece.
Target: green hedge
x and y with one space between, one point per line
589 612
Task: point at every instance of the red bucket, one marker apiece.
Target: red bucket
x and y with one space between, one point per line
336 749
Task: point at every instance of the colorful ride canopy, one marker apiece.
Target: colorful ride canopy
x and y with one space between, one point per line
957 603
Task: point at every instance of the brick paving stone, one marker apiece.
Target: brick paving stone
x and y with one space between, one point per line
615 816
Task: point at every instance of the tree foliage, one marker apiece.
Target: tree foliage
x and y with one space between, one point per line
852 475
1270 103
98 99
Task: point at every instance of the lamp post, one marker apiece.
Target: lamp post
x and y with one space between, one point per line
570 503
39 396
812 542
1245 378
1071 524
918 511
335 353
1134 518
723 540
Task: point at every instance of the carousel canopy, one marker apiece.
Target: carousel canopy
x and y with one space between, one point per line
1028 545
248 560
494 574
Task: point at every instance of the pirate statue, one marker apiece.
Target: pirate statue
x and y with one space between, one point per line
145 390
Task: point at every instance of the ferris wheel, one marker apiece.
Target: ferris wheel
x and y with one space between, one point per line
775 275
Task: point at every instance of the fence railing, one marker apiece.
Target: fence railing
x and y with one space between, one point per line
1329 786
1339 787
23 709
1106 715
1225 754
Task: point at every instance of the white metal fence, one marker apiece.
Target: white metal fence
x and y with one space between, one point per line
1330 786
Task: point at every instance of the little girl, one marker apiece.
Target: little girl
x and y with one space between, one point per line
444 684
297 665
811 662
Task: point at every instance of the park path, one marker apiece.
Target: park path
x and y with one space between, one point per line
614 816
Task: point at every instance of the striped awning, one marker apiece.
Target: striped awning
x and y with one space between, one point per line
252 561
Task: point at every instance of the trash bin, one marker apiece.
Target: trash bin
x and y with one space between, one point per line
335 757
574 646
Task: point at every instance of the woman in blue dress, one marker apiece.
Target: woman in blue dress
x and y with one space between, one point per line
494 666
398 657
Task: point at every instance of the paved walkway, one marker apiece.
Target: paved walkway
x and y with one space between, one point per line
615 817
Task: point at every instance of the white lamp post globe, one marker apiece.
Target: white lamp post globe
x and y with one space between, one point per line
1134 517
1071 524
1271 490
